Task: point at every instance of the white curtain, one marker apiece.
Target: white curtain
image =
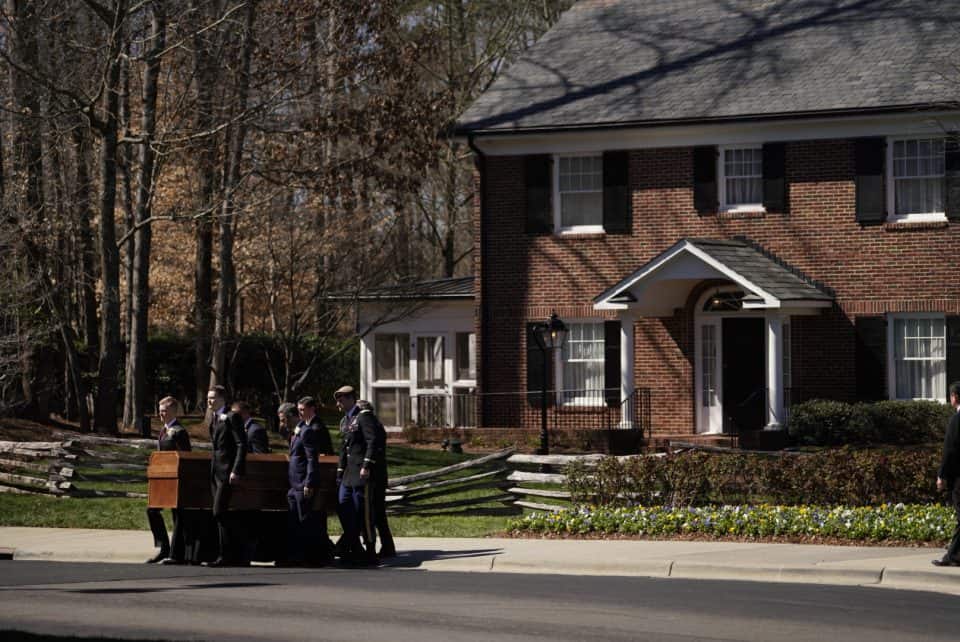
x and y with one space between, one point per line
583 363
920 356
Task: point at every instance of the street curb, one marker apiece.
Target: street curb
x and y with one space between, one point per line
79 556
779 573
6 553
921 580
642 568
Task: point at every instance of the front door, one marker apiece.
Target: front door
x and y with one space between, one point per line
743 374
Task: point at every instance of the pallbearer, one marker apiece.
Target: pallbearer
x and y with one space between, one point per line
257 441
307 528
173 436
362 461
226 468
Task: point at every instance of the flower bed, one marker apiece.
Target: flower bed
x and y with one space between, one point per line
928 523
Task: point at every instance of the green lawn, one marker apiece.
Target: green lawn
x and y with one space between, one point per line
127 513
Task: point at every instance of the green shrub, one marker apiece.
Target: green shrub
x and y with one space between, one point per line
844 476
902 523
820 422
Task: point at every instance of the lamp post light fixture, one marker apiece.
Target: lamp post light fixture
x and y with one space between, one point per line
550 334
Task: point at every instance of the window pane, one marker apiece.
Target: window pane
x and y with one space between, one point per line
581 190
430 362
385 357
581 208
919 355
466 355
583 358
918 170
392 405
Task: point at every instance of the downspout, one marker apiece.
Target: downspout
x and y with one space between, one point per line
480 162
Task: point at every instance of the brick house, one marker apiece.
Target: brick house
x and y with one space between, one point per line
733 206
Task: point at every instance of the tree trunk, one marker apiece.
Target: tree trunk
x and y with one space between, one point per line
141 256
226 286
205 75
105 411
126 179
28 165
84 214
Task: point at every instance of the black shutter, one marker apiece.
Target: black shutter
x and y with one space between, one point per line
952 178
539 183
611 362
953 349
616 193
705 180
871 358
775 189
535 372
869 154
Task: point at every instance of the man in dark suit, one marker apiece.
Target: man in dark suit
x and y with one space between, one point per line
173 436
226 469
949 473
257 441
378 492
362 459
308 541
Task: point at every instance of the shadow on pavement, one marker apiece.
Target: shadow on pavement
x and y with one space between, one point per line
159 589
414 559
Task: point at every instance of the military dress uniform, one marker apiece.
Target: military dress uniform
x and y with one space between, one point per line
364 441
229 443
949 472
307 528
173 437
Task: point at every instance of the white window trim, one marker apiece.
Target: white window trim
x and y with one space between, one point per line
891 351
463 383
558 383
740 208
389 383
892 216
557 225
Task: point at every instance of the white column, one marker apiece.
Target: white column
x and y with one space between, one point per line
626 366
365 391
774 371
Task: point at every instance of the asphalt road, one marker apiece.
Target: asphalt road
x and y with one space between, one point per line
135 602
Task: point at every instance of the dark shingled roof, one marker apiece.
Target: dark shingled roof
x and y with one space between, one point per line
453 288
635 62
762 268
752 262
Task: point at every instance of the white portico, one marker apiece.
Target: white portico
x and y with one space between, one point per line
741 325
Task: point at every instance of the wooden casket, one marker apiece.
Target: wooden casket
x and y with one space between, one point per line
177 479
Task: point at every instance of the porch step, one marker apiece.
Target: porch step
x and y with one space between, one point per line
662 441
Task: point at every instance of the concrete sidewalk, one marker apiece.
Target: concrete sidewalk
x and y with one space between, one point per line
901 568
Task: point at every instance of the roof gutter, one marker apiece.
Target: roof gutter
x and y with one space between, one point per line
462 132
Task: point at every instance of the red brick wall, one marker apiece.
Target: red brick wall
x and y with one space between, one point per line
871 270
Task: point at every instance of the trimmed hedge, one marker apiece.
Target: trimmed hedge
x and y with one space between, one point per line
898 522
843 476
822 422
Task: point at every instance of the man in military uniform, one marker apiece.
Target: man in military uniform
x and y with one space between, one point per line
378 493
948 475
173 436
257 441
226 468
308 542
362 462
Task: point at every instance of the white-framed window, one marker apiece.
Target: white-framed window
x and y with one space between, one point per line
393 405
740 178
915 179
581 371
391 357
430 361
917 356
578 193
466 356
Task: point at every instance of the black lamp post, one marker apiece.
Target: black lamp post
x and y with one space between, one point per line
550 334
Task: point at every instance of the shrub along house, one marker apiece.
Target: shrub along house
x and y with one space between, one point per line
732 205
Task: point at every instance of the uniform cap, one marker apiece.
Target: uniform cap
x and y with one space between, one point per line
344 390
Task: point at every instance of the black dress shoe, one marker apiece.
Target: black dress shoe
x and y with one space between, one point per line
172 562
217 563
945 562
162 555
386 553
